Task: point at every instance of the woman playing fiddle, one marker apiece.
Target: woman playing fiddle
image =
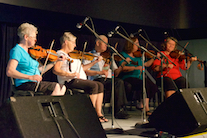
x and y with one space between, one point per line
133 73
25 69
73 75
170 72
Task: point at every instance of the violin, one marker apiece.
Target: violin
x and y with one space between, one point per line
177 54
107 54
138 53
37 52
86 55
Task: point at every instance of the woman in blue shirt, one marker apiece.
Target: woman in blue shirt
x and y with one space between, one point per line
132 73
25 69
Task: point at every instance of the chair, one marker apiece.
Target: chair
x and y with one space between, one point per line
16 92
74 91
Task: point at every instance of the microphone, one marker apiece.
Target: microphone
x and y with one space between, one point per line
132 35
79 25
112 32
166 35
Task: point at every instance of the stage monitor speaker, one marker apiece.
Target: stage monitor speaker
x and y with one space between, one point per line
50 117
183 113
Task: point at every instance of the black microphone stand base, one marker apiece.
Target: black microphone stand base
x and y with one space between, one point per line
113 131
142 124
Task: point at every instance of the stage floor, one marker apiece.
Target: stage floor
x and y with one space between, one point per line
128 125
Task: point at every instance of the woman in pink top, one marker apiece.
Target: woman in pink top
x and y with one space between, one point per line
172 77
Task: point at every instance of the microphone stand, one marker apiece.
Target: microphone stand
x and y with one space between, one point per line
186 61
144 49
144 89
162 55
112 48
111 130
186 73
143 76
161 76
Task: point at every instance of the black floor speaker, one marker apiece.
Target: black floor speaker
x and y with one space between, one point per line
50 117
183 113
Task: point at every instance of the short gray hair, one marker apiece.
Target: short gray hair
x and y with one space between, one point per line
26 29
67 36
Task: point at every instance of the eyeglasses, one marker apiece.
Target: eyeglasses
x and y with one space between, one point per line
33 37
73 42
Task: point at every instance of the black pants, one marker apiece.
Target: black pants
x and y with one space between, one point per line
46 87
119 92
170 84
137 85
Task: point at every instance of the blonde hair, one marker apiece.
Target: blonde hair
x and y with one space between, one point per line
26 29
167 40
67 36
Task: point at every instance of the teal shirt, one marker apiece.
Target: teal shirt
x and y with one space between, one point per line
134 73
26 64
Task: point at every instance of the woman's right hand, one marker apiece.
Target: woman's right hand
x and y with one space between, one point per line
75 74
138 68
170 66
104 72
35 77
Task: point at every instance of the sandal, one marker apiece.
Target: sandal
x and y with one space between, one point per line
103 119
138 108
148 113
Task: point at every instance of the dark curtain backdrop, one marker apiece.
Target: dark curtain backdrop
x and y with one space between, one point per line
8 39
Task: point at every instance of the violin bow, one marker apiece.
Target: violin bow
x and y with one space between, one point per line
84 48
45 63
182 49
147 45
116 45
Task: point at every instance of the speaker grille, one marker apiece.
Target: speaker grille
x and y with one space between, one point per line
181 114
32 117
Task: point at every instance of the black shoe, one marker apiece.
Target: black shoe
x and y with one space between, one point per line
122 114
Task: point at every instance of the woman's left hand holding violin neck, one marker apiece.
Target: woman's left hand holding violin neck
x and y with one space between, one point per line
50 65
87 66
61 58
99 58
158 55
128 60
125 62
193 59
190 61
